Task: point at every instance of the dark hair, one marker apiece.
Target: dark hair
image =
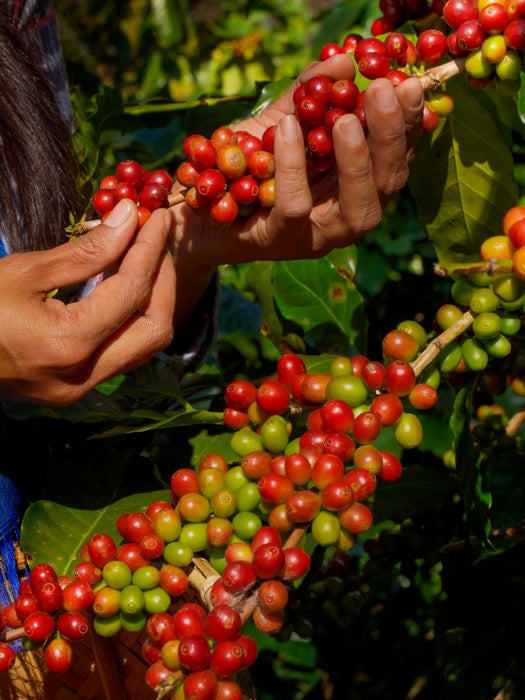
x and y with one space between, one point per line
38 185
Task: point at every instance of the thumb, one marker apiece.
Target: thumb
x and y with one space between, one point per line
89 254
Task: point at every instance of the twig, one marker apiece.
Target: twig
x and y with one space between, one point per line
436 346
434 77
9 635
500 535
294 537
491 267
176 198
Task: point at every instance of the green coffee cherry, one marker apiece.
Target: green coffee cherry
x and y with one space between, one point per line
416 330
475 356
483 299
462 291
498 346
510 325
449 358
486 325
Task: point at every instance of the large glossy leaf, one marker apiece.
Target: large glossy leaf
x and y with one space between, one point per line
53 533
463 179
260 280
316 296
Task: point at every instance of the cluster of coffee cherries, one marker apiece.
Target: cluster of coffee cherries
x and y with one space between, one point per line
394 13
488 33
396 58
319 474
150 190
229 174
495 296
49 610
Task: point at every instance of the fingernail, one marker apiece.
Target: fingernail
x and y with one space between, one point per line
119 213
289 127
350 129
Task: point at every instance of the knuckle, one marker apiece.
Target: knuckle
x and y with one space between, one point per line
87 247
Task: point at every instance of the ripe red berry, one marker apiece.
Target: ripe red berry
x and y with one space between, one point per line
125 191
374 65
224 209
244 189
455 12
329 50
194 653
153 196
222 622
310 111
319 141
210 183
161 177
273 397
431 46
39 625
131 172
227 658
58 655
200 685
73 626
104 200
200 151
249 144
7 657
101 549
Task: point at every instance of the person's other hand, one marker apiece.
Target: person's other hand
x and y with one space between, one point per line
55 352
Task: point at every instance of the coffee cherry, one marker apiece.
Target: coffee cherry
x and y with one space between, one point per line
399 378
39 626
210 183
431 46
104 200
58 655
7 657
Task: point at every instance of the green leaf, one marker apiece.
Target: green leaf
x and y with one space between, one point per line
167 23
53 533
320 296
463 179
260 280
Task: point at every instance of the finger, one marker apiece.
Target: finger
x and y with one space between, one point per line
359 204
293 199
141 336
386 137
85 256
410 95
123 294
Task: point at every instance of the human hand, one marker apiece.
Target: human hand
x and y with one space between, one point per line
309 220
55 352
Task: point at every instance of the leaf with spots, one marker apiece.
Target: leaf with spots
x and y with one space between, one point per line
463 179
320 296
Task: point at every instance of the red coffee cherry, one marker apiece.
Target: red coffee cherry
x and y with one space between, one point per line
210 183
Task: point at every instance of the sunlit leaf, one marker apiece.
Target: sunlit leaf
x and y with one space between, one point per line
463 179
53 533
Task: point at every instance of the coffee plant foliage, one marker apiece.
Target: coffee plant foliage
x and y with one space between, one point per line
431 603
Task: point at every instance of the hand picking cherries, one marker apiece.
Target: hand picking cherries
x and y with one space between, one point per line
231 173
